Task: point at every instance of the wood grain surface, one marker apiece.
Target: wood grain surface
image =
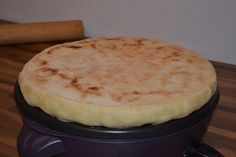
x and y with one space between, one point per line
221 133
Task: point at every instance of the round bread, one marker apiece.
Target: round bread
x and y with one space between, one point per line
118 82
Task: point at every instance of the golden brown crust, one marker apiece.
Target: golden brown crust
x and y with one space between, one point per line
118 82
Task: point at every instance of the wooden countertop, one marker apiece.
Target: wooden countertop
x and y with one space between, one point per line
221 133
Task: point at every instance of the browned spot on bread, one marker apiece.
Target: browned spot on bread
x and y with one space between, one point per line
190 60
93 46
173 50
52 71
93 91
52 49
75 82
159 48
63 76
73 47
129 44
84 91
176 54
134 96
136 43
140 41
137 93
165 49
43 63
127 96
120 96
93 88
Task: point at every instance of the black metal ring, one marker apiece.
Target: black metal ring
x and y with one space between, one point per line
145 131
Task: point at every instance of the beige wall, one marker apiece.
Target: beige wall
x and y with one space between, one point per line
207 26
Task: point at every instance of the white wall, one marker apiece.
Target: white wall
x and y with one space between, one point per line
206 26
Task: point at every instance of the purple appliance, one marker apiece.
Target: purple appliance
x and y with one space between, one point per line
44 136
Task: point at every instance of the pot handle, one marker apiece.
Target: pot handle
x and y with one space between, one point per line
35 144
201 150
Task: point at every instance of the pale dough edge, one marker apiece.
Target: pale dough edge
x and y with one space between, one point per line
114 116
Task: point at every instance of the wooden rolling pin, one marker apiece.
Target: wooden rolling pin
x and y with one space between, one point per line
41 32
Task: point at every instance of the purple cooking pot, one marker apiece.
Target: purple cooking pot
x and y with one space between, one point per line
44 136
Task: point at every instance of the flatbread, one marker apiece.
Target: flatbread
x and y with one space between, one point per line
118 82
